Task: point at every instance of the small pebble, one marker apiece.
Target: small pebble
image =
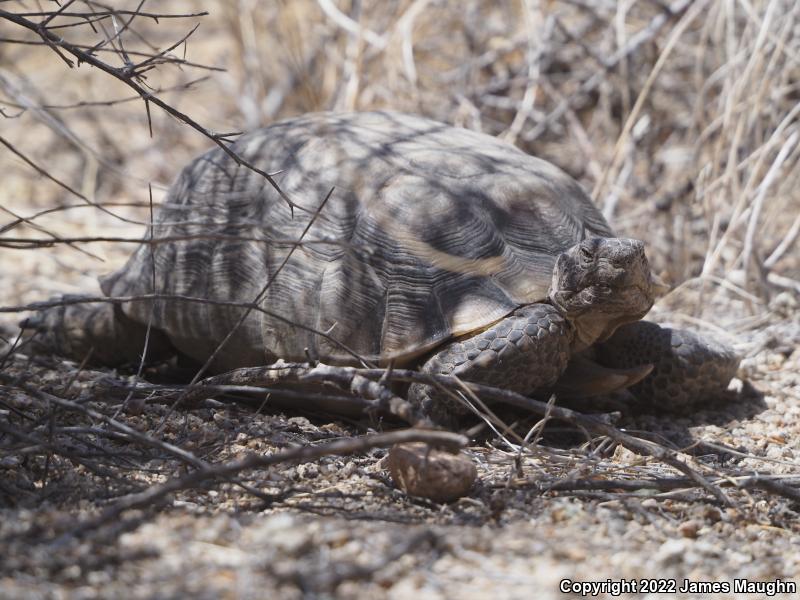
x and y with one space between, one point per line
420 470
689 529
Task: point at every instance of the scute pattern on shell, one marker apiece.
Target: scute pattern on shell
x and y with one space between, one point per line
430 232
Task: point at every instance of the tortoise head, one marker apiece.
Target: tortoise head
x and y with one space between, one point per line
600 284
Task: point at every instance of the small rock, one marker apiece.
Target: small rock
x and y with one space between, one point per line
420 470
624 456
222 421
135 406
671 552
689 529
308 471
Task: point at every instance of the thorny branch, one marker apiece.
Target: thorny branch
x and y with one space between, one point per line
250 381
132 76
344 377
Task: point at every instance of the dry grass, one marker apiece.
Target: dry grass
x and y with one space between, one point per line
681 118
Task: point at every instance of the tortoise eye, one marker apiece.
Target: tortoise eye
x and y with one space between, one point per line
586 255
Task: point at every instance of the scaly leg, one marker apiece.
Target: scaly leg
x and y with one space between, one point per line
688 368
526 351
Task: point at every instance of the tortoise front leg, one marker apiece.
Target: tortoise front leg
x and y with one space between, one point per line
687 368
526 351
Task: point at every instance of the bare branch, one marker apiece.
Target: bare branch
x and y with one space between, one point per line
123 75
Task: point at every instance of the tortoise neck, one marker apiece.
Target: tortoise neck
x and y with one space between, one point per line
589 328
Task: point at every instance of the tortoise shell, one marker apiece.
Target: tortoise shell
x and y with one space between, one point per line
406 233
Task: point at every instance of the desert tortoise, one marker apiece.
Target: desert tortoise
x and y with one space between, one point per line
412 241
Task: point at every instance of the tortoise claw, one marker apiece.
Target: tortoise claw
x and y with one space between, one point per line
584 378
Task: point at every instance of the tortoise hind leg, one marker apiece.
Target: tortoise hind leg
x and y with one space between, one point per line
526 351
76 329
688 368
